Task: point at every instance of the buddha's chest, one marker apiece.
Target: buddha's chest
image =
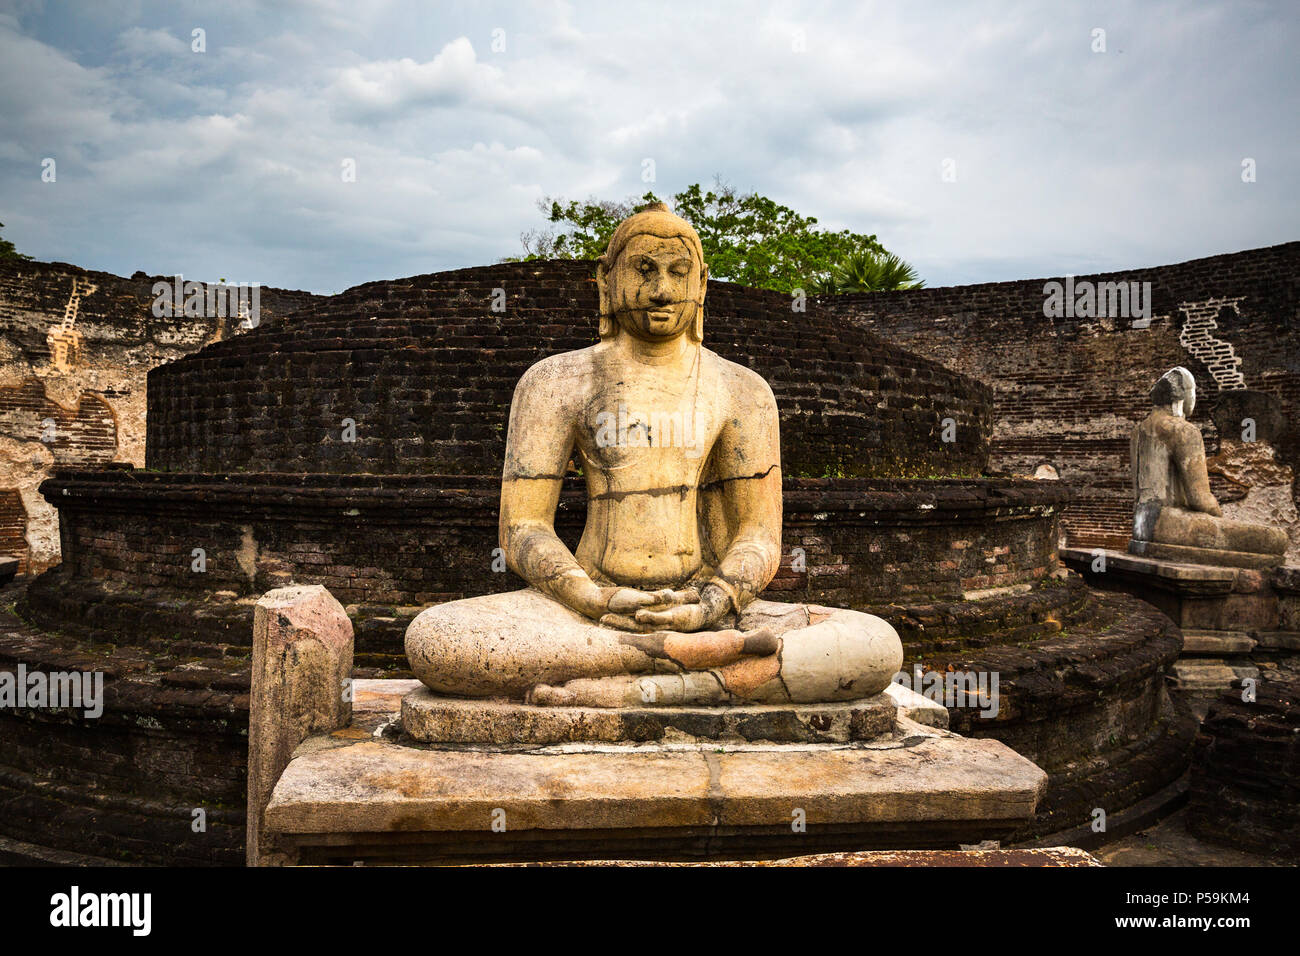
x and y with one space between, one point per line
649 431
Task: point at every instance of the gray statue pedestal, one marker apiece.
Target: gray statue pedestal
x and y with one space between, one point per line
368 793
1226 613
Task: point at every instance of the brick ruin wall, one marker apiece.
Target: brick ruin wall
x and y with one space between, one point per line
75 348
425 368
1068 390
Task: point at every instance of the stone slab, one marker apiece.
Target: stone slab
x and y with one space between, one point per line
343 785
1045 856
918 707
1278 640
1205 556
381 695
1177 576
431 718
1216 643
1209 676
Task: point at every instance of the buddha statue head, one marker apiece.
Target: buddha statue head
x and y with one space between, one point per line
652 278
1176 391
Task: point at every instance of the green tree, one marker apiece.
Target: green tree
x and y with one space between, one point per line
7 250
747 238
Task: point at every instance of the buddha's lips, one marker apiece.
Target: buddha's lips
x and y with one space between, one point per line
652 310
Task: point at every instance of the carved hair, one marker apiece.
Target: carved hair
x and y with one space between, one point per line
1175 385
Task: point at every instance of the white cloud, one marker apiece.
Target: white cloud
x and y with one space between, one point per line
228 162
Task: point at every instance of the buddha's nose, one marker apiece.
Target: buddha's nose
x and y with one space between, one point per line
660 294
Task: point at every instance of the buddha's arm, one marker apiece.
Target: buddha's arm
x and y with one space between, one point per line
1189 456
539 442
747 474
538 445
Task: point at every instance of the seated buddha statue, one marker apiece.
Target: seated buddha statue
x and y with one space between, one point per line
680 451
1174 506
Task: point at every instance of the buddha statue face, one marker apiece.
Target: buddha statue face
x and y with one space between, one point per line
652 279
654 287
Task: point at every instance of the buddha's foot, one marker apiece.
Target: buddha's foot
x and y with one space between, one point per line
704 649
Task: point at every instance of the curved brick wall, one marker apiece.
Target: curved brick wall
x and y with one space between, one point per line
426 370
1068 390
401 542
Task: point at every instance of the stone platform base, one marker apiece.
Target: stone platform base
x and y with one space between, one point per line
367 793
430 718
1198 597
1207 556
1228 615
1245 779
1046 856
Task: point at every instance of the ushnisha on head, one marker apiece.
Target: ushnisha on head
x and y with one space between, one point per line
652 278
1175 391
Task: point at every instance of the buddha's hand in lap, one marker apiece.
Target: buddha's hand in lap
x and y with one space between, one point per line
686 610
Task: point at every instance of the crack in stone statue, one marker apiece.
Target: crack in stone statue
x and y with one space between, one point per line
658 606
1176 517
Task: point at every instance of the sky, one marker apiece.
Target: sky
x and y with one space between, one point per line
980 141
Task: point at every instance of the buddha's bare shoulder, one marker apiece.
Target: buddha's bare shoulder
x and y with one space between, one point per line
747 387
559 374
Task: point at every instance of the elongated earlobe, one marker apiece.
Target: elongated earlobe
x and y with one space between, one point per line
607 325
697 327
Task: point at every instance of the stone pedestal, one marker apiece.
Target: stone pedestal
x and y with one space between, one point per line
1245 779
1213 557
1227 614
676 785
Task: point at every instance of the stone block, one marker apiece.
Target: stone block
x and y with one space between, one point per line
301 685
1216 643
1208 556
351 797
432 718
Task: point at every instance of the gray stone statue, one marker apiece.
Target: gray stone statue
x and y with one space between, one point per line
1176 517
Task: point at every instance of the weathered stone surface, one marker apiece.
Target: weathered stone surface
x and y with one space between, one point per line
302 671
1278 640
8 568
381 695
917 707
340 790
1245 780
1207 556
430 718
1179 576
1197 597
994 859
1217 642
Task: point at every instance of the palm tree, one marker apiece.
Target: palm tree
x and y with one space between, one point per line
874 272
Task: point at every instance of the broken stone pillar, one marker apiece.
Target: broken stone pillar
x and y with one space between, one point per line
301 685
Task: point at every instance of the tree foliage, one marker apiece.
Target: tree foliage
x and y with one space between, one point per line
747 238
7 249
